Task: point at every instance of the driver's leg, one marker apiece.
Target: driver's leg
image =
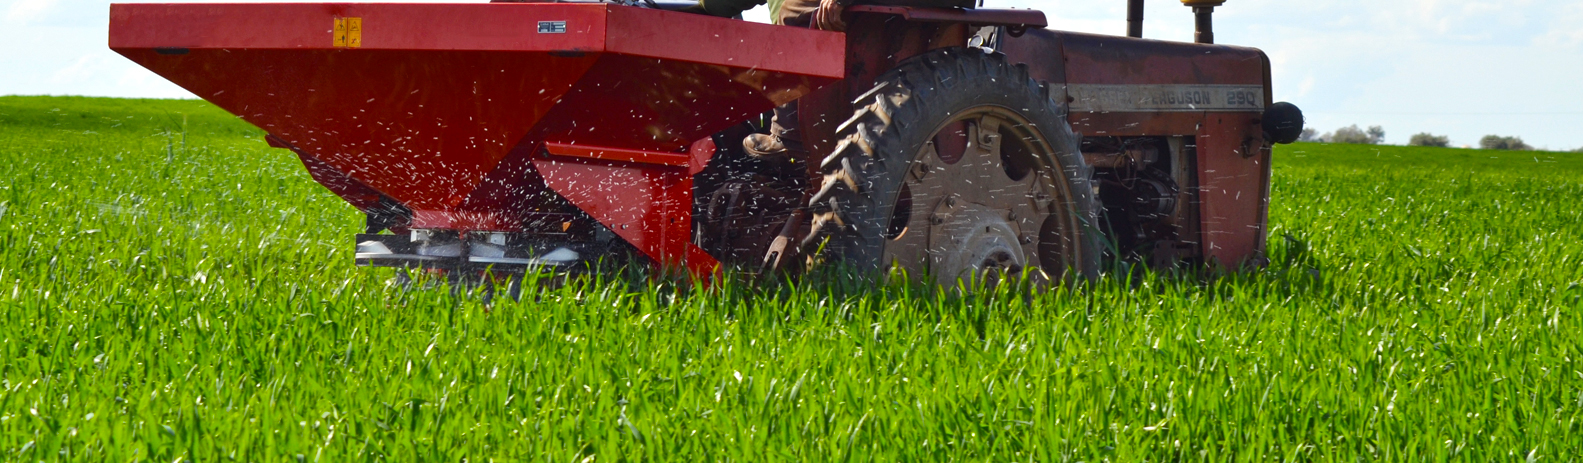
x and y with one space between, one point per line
785 135
785 130
793 12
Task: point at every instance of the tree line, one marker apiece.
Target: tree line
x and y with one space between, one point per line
1375 135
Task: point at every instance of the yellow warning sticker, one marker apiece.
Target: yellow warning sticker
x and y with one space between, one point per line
348 32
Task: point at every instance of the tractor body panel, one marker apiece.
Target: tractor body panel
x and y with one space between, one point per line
1209 96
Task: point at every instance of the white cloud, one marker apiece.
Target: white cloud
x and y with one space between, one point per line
1566 29
22 11
1304 87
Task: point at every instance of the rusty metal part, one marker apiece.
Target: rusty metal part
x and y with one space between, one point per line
971 239
974 201
783 249
1133 157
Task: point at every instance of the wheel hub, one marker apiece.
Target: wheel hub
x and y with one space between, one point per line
975 201
974 239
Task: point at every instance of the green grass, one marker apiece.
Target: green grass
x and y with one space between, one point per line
171 288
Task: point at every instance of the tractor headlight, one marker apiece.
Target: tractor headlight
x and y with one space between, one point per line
1283 123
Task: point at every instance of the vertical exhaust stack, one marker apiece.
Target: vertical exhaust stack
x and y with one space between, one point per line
1204 10
1135 18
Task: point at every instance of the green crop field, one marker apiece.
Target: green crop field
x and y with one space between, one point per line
171 288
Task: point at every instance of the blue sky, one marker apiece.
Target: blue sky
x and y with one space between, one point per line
1460 68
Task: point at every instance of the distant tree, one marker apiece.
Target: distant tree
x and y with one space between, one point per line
1309 135
1497 142
1376 135
1429 139
1356 136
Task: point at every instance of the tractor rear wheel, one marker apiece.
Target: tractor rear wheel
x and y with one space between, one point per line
960 166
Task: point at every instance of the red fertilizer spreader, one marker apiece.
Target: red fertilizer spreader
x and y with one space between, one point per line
946 140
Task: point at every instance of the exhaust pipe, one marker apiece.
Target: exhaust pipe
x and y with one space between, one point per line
1204 10
1135 18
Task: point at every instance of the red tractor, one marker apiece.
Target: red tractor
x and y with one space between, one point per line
949 142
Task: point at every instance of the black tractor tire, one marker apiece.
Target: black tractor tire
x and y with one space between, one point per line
855 213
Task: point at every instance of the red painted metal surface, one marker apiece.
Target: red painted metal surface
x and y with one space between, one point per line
645 197
1103 59
443 107
1041 49
619 155
1233 178
359 195
648 206
976 17
699 155
438 95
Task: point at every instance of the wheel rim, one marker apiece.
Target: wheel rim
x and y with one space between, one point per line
981 199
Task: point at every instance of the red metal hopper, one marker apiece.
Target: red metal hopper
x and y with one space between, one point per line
464 113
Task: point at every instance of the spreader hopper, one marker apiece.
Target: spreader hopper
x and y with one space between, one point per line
470 115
